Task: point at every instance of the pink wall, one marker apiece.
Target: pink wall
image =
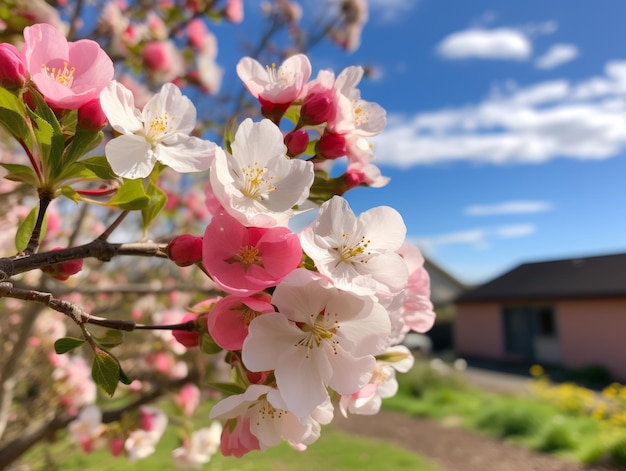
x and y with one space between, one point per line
593 332
478 331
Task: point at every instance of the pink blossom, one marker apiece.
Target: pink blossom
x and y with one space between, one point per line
276 88
68 75
229 319
245 260
163 60
13 71
234 11
188 399
417 308
238 440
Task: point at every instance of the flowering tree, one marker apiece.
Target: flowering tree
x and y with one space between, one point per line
224 298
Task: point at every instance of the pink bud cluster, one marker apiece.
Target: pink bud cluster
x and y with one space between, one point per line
332 120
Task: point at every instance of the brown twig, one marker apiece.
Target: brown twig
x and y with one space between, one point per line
98 248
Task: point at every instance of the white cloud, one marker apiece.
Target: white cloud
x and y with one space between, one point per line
557 55
508 207
391 10
480 238
518 230
534 124
499 43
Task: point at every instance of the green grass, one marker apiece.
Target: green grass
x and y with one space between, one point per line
333 451
525 420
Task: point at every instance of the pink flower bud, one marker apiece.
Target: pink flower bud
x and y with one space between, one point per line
91 117
62 271
185 337
116 446
185 250
316 109
13 70
331 146
296 142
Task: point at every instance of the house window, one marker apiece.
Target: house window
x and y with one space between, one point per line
545 323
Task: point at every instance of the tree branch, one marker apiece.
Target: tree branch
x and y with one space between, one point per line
78 314
99 249
35 433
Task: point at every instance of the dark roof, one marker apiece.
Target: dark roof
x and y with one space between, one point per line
587 277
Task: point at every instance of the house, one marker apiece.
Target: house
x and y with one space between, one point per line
444 288
569 313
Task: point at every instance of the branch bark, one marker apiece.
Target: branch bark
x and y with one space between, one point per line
99 249
35 433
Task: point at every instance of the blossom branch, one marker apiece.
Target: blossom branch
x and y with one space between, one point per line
45 198
38 432
78 314
98 249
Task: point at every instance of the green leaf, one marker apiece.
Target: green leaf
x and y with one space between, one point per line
70 193
228 388
158 200
100 166
105 370
130 196
66 344
82 142
11 101
48 134
21 173
123 377
111 338
25 230
208 345
16 125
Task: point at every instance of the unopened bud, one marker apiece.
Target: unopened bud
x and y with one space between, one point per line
91 117
316 109
188 338
13 71
296 142
62 271
331 145
185 250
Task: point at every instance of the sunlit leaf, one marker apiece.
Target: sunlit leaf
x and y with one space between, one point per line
21 173
105 370
158 200
66 344
130 196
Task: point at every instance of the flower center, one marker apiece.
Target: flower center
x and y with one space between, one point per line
64 76
248 314
361 115
247 256
354 251
157 127
279 75
323 329
256 184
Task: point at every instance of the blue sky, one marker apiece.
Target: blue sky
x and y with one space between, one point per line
506 127
506 134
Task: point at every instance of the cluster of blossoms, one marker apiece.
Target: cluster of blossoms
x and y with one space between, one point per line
310 320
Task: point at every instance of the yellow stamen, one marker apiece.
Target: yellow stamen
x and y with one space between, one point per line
64 76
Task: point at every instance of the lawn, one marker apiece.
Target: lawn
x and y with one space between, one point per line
333 451
563 419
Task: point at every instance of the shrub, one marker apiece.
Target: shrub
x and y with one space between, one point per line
509 418
618 451
556 435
